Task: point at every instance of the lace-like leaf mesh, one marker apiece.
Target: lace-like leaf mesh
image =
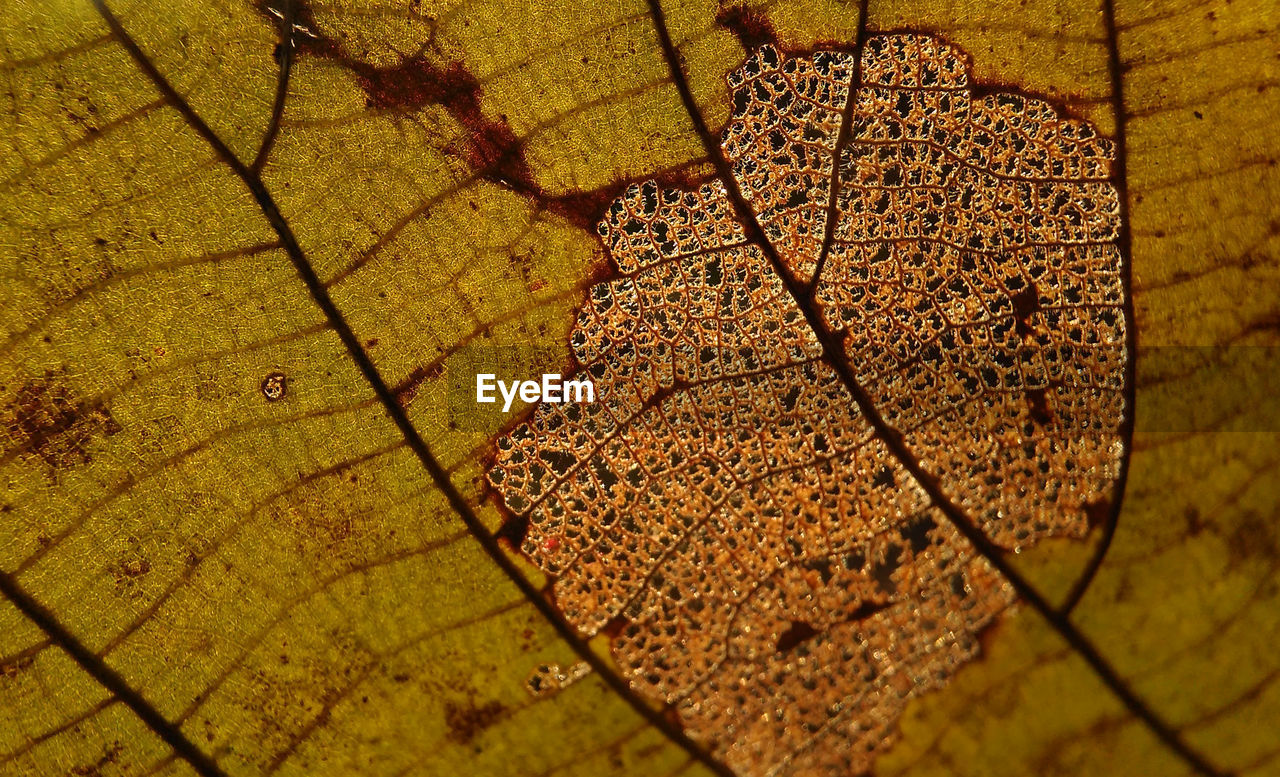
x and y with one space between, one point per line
775 574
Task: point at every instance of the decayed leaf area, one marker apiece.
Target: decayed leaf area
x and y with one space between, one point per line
853 352
768 565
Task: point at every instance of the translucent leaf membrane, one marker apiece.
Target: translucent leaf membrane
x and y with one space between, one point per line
761 560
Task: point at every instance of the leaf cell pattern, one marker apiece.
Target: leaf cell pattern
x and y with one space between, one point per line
764 563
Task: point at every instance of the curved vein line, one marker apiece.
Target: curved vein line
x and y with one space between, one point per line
256 640
331 699
23 656
1202 99
1124 242
287 50
97 287
94 134
54 56
843 138
233 530
133 479
33 742
398 415
893 438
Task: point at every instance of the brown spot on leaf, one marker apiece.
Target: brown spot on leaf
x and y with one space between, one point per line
1253 537
752 28
884 478
95 769
1195 522
47 419
465 721
407 390
1097 512
798 633
1038 404
615 626
1026 303
490 146
14 667
133 568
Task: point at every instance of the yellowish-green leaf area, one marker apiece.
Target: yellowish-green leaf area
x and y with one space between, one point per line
278 578
282 580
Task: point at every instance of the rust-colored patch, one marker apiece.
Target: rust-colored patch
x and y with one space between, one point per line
133 568
489 145
796 634
48 420
129 573
1026 303
1098 511
466 721
12 668
1038 405
752 28
616 625
407 390
1253 538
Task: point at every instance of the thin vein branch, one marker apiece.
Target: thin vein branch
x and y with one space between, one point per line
1124 241
288 48
108 678
843 137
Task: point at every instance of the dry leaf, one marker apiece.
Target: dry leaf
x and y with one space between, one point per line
244 528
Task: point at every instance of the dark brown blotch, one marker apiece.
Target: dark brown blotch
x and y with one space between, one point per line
13 667
1026 303
489 145
1253 537
514 530
750 27
1098 512
407 390
797 634
51 421
466 721
96 769
1038 406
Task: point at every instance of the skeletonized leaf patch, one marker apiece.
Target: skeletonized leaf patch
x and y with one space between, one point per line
768 565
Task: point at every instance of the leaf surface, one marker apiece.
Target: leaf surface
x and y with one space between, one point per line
284 584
